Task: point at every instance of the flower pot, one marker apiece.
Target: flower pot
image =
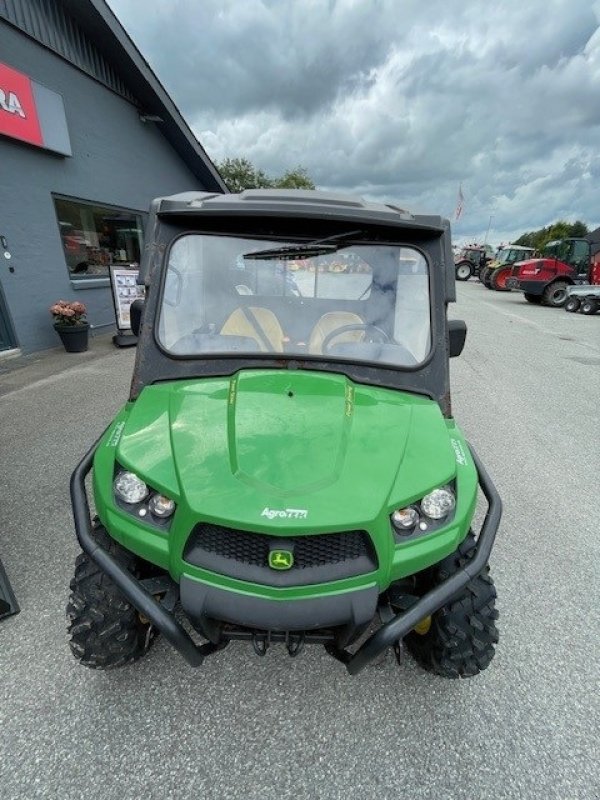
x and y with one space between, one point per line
74 337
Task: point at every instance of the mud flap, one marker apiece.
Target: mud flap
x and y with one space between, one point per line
8 601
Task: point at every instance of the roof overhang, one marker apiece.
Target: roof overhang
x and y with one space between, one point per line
296 203
102 26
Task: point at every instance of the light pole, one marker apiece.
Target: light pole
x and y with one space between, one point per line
488 229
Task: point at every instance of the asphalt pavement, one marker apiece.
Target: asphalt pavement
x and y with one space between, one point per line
526 393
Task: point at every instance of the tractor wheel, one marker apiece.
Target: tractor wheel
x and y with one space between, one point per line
572 304
498 279
105 630
487 278
464 270
589 306
555 295
535 299
483 274
458 640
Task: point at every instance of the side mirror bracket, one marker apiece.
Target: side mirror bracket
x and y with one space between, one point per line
457 333
135 316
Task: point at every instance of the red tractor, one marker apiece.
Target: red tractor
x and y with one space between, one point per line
545 280
471 259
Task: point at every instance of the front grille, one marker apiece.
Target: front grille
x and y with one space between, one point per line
318 557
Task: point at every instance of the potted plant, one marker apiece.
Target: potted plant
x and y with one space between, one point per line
71 325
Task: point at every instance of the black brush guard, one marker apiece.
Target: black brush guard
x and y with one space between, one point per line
388 635
8 601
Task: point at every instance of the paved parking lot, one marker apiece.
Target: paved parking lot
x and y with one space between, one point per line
526 392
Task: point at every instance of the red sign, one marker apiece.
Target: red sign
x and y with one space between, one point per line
18 112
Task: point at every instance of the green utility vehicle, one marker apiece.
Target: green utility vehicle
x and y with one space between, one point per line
287 468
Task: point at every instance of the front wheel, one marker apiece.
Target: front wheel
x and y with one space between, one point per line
105 630
589 306
487 277
555 295
572 304
464 270
458 640
499 278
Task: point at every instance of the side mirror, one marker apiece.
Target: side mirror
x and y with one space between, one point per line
135 316
457 333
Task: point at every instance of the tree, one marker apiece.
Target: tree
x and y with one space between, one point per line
557 230
294 179
579 229
240 174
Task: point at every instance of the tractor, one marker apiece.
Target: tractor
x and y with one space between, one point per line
494 274
545 280
471 260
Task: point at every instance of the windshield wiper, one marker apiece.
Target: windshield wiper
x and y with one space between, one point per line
318 247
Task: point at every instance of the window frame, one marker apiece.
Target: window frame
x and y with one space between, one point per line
95 281
291 357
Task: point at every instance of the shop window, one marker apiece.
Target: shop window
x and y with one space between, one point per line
96 237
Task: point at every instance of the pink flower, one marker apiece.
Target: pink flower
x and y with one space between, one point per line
68 313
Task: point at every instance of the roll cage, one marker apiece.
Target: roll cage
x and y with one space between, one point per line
303 217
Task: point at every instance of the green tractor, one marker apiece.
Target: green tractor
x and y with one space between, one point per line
495 274
287 468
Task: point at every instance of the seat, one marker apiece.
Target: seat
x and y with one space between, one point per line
330 322
256 323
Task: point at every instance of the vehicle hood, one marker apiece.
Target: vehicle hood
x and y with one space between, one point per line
251 448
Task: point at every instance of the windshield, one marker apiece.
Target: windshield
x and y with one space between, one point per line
574 252
471 255
508 256
364 302
559 250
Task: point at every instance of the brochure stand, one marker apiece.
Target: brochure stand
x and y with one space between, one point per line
125 289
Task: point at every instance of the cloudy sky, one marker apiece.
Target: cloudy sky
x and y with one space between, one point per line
397 100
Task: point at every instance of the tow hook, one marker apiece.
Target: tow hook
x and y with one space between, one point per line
295 643
261 643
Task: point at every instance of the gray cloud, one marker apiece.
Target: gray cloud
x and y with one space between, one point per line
396 101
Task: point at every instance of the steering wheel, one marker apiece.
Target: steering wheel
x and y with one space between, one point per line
379 334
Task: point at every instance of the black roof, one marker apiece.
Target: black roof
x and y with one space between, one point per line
110 38
296 203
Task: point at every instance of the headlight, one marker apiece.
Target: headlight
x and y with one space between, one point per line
161 506
129 488
404 519
439 503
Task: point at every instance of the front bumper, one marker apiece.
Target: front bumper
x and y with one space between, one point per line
388 635
354 608
529 287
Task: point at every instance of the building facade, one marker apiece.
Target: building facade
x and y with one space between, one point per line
88 136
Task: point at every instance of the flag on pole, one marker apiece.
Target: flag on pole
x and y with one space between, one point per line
459 203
